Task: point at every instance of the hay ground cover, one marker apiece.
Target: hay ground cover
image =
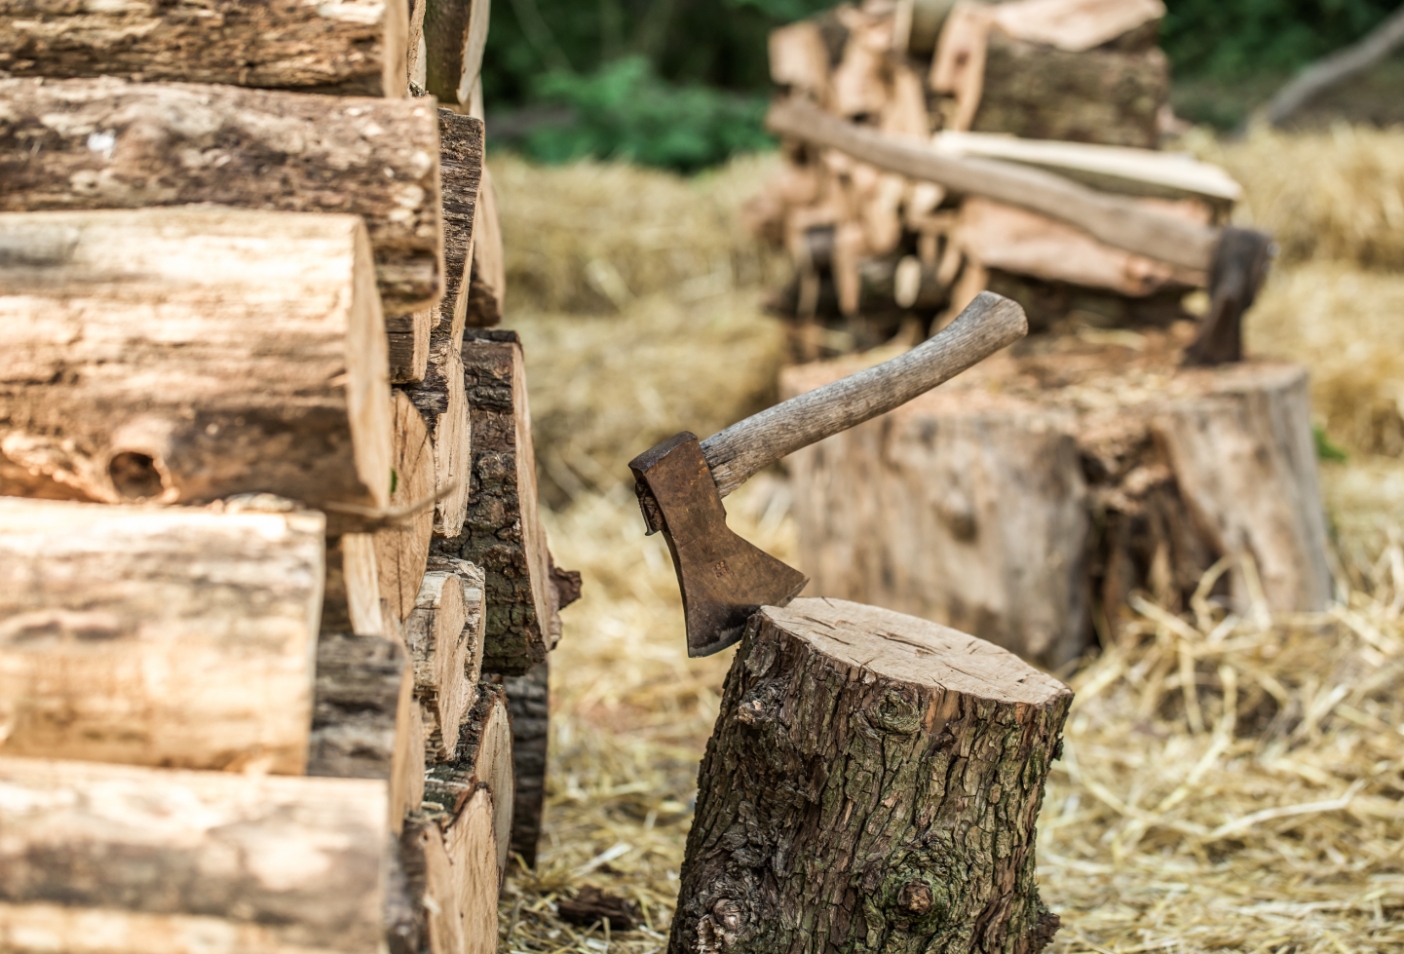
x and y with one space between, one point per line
1228 784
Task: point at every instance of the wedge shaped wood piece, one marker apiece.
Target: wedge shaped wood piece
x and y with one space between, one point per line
442 400
482 762
180 355
176 637
127 860
402 549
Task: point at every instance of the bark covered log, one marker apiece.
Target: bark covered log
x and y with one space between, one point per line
108 144
461 173
455 34
529 703
179 355
402 549
488 285
442 400
872 784
173 637
354 49
125 860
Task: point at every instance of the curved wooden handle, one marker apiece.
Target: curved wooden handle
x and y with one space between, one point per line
989 323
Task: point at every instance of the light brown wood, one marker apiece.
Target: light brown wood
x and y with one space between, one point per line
109 859
178 355
502 532
472 579
108 144
409 345
402 549
734 454
442 400
437 926
481 762
455 33
461 171
470 840
488 276
351 600
416 50
175 637
352 48
874 780
438 639
799 60
1074 25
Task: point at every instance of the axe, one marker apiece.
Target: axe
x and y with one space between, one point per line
681 482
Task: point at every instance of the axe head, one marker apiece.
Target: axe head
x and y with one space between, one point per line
723 579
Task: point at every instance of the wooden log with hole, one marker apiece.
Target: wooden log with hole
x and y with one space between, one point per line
872 784
1028 500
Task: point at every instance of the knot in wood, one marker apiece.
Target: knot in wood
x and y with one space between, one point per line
915 898
896 714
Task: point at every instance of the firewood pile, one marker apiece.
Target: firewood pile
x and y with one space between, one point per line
1038 122
275 602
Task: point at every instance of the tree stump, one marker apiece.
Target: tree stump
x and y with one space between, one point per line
872 784
1025 501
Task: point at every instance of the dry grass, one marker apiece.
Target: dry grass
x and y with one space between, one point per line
1227 785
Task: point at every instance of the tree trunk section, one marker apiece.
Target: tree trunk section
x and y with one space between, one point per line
502 533
158 637
409 345
352 49
461 172
488 284
872 784
402 549
179 355
442 400
125 860
351 598
108 144
529 702
441 635
455 34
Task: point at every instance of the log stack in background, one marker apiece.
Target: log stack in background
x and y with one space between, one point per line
230 549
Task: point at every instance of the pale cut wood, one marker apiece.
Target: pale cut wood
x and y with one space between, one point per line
109 144
351 600
409 345
502 533
874 782
859 81
442 400
958 68
175 637
178 355
799 60
402 549
470 840
488 275
1073 25
734 454
416 50
352 47
114 859
460 170
1113 220
437 636
432 887
482 762
472 579
455 34
917 25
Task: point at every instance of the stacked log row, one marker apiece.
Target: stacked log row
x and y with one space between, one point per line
244 583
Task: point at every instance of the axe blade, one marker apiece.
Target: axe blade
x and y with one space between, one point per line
724 579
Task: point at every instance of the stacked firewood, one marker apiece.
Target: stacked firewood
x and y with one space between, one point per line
272 581
1077 88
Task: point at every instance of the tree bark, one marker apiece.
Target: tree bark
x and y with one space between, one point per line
872 784
442 633
171 637
402 549
179 355
502 533
108 144
455 34
442 399
488 285
461 172
529 703
125 860
353 49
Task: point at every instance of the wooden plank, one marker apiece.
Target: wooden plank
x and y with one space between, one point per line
109 144
177 637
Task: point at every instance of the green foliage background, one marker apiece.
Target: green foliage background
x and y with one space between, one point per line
683 84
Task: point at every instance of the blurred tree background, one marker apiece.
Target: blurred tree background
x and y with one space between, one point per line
683 84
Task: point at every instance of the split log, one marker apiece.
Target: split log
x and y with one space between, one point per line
451 865
483 761
409 344
158 637
416 50
442 634
108 144
873 783
455 34
351 599
488 284
502 532
124 860
1002 501
365 723
461 172
442 400
529 703
402 549
354 49
178 355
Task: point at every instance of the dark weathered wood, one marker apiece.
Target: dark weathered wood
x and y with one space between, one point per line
174 637
1115 220
460 171
872 784
442 400
482 762
354 49
734 454
180 355
529 702
108 144
1241 263
455 33
488 285
502 531
128 860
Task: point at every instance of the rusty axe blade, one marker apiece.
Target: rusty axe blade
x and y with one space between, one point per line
681 482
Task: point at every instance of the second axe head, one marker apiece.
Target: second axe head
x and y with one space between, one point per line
681 481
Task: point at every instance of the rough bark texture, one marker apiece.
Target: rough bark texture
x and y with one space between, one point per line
158 637
126 860
460 171
352 48
1026 500
483 761
351 600
455 33
488 284
443 402
108 144
178 355
1101 96
529 702
502 533
402 549
872 784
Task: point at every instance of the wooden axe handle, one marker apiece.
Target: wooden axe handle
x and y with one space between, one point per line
989 323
